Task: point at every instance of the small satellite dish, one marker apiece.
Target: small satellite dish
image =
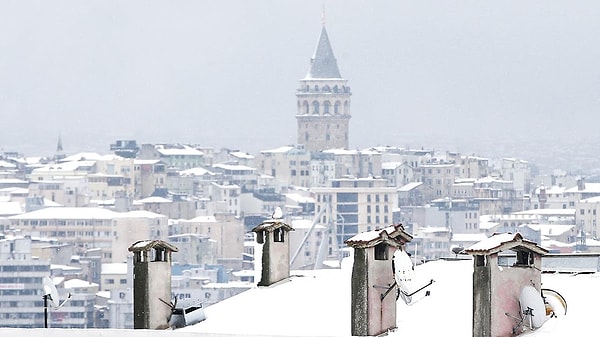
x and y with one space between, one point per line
457 249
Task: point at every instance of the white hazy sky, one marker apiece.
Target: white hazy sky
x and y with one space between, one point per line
224 73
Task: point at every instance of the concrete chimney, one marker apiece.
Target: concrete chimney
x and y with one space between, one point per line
373 301
497 285
273 234
151 284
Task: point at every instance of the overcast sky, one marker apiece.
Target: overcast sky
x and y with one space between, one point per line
224 73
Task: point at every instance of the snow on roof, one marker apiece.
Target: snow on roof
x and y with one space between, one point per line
77 283
391 165
10 208
67 213
551 230
234 167
202 218
15 190
282 149
588 188
241 155
410 186
114 268
181 150
501 242
64 167
319 304
299 198
155 200
196 171
341 152
6 165
592 200
103 294
143 245
488 224
393 233
81 156
552 190
548 212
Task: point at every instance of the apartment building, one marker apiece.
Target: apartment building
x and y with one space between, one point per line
289 165
357 205
149 175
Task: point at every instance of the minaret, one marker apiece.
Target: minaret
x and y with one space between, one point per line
59 149
323 102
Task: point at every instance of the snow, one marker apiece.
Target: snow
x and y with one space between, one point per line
317 303
67 213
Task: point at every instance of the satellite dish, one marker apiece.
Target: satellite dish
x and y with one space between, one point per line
457 249
51 292
532 304
51 296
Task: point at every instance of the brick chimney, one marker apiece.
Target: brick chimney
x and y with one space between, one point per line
273 234
151 284
497 284
373 301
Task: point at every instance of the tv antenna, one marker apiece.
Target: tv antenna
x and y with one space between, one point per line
51 295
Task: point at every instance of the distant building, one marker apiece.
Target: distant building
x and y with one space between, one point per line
357 205
323 100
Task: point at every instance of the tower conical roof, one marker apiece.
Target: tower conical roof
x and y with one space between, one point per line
323 63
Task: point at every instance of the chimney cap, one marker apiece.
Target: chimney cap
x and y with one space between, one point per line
145 245
501 242
271 225
393 235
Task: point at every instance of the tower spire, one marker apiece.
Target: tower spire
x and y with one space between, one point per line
323 63
323 15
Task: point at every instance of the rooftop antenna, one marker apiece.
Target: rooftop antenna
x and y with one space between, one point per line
51 295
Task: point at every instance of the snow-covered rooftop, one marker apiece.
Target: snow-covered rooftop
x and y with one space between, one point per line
196 171
410 186
75 213
154 200
282 149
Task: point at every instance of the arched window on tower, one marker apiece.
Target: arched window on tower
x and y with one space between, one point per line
306 136
326 106
316 88
315 107
326 88
336 107
305 107
335 88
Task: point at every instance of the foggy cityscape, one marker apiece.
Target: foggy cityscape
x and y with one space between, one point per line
206 128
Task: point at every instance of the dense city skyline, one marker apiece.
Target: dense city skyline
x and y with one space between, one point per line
471 77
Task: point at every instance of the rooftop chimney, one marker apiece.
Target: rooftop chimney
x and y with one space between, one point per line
373 302
497 285
151 284
273 234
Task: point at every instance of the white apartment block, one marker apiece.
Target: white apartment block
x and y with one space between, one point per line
587 215
289 165
357 205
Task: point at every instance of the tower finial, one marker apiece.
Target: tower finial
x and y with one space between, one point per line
323 14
